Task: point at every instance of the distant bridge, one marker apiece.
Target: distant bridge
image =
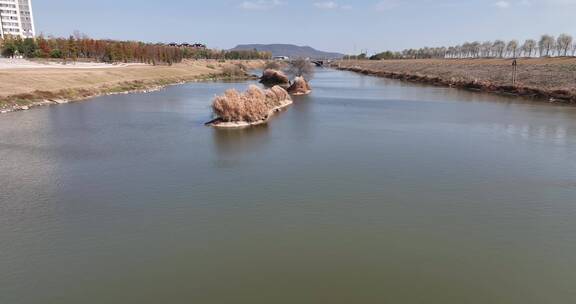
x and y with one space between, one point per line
317 62
320 63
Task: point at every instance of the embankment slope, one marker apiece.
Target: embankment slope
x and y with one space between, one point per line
31 87
553 79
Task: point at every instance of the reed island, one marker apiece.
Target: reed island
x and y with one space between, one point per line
250 108
255 106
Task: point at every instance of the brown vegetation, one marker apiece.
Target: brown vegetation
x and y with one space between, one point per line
550 78
274 65
299 87
274 77
251 106
30 87
237 70
301 68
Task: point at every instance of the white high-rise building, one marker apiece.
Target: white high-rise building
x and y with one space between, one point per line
16 18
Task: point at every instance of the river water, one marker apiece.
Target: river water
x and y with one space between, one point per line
368 191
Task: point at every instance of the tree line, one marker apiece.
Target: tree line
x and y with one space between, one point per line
546 46
81 47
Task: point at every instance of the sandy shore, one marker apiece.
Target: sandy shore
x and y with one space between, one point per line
550 79
23 87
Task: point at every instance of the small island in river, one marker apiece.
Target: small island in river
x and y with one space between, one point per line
299 87
272 77
253 107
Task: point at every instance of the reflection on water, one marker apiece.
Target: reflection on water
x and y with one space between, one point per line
233 143
545 133
368 190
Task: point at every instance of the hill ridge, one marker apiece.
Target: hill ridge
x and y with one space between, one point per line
290 50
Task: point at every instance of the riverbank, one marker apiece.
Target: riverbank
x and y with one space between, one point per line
551 79
24 88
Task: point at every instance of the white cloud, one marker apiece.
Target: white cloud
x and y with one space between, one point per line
386 5
527 3
326 5
559 2
502 4
260 5
331 5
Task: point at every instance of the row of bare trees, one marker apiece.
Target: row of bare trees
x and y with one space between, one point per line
546 46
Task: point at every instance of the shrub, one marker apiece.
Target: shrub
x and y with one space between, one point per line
8 49
273 77
299 87
28 48
272 65
233 71
56 54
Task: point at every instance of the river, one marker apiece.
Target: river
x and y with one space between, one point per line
367 191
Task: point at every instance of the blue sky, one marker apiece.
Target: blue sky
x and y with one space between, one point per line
331 25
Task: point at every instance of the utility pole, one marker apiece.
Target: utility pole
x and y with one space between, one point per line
514 71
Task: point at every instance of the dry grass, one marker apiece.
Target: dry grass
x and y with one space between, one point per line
234 70
549 73
253 105
273 65
299 87
545 77
22 86
273 77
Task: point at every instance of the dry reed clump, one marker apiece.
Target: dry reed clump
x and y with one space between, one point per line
299 87
234 70
273 77
274 65
276 96
250 106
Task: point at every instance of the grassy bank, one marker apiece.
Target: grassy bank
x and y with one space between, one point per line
552 79
25 88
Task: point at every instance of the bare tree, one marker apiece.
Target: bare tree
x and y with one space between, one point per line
486 49
546 44
528 47
512 48
475 48
498 48
451 52
458 51
301 67
564 43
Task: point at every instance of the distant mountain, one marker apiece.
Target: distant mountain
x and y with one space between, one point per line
290 50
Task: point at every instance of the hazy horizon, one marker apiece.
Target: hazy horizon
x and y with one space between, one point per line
335 26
